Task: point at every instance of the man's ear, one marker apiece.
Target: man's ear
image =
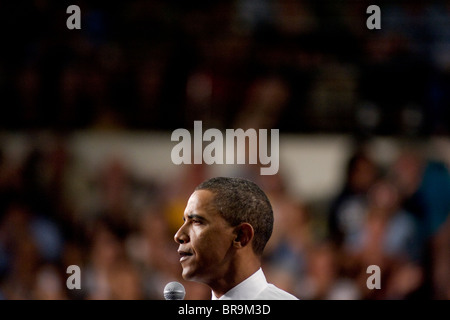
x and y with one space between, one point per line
244 235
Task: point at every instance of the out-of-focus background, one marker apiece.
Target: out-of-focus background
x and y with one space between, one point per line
86 176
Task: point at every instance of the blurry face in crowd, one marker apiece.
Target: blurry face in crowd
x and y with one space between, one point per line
205 240
363 175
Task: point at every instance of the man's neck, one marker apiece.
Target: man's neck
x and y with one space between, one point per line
233 278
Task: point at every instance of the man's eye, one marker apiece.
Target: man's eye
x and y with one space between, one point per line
196 221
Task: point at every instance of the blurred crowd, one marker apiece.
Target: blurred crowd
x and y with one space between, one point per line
300 66
118 228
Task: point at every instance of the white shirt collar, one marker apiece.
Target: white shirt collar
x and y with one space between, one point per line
247 289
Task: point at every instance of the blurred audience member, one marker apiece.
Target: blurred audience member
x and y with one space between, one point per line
388 239
324 278
106 250
348 209
425 192
125 282
50 283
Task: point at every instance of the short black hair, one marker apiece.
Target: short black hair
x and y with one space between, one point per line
239 200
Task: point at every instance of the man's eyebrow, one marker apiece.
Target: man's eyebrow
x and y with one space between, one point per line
196 216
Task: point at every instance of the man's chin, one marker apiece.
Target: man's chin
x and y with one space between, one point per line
187 274
191 275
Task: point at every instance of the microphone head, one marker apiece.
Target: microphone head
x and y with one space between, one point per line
174 291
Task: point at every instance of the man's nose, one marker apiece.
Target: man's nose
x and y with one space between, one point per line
181 236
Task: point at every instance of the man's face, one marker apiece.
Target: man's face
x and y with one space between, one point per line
205 240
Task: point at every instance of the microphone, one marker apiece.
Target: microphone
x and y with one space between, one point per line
174 291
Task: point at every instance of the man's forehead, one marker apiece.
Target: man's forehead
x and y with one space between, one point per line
201 201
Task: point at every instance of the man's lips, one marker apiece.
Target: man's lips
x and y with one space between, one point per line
184 255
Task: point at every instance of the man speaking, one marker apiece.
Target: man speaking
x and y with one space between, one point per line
227 223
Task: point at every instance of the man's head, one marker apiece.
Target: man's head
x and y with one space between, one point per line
222 216
239 200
